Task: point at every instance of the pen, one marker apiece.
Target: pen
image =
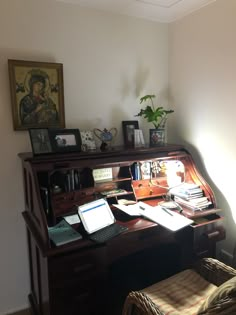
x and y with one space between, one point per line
164 209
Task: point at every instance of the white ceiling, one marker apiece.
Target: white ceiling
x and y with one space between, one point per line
155 10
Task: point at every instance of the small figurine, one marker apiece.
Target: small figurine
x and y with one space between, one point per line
103 146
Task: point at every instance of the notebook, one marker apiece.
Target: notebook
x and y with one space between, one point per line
99 221
171 220
63 233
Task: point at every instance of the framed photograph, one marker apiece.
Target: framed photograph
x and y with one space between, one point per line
65 140
40 141
87 139
128 131
37 94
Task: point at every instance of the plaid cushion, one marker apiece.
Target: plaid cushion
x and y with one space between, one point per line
180 294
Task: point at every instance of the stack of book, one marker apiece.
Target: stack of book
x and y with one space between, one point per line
141 170
191 196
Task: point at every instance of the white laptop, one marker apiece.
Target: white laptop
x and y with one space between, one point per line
97 216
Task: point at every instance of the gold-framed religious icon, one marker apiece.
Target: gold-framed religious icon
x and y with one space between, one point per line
37 94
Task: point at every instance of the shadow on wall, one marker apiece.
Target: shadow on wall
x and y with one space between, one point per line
229 244
201 167
229 222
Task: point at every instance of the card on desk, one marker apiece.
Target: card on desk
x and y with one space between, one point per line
169 219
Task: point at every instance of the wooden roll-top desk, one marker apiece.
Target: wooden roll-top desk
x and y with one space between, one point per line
85 278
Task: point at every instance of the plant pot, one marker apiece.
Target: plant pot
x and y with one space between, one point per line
156 137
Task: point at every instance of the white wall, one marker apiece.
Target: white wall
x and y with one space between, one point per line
109 62
203 90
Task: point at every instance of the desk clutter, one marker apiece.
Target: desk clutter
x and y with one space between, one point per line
97 219
100 224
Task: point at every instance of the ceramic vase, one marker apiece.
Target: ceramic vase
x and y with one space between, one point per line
156 137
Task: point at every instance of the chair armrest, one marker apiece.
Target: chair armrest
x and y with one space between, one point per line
138 303
214 271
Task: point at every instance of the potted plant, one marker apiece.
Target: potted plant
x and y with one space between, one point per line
157 116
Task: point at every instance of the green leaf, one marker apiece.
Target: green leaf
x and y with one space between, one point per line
157 116
146 97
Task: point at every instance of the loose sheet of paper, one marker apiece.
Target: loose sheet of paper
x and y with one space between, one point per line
134 210
166 218
72 219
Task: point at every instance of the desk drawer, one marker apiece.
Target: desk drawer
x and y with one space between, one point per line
79 296
77 282
211 226
77 266
206 232
74 302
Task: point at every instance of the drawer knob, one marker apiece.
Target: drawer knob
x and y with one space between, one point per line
213 235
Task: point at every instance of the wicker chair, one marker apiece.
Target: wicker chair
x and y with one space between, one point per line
210 291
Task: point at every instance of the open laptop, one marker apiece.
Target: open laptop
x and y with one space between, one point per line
99 221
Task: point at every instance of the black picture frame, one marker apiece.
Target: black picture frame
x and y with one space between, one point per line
128 127
40 141
65 140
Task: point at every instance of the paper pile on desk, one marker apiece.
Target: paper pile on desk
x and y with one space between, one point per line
169 219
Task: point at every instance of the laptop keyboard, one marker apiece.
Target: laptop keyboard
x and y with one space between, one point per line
107 233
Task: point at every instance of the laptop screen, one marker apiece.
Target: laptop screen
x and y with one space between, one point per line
96 215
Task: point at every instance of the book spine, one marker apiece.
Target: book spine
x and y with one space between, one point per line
45 199
77 179
68 182
72 179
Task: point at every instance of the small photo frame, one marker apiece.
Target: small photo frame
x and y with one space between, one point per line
65 140
40 141
87 139
128 131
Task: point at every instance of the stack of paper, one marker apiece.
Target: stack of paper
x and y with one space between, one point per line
187 191
191 196
194 204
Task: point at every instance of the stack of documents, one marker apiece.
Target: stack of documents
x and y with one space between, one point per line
194 204
169 219
187 191
191 196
